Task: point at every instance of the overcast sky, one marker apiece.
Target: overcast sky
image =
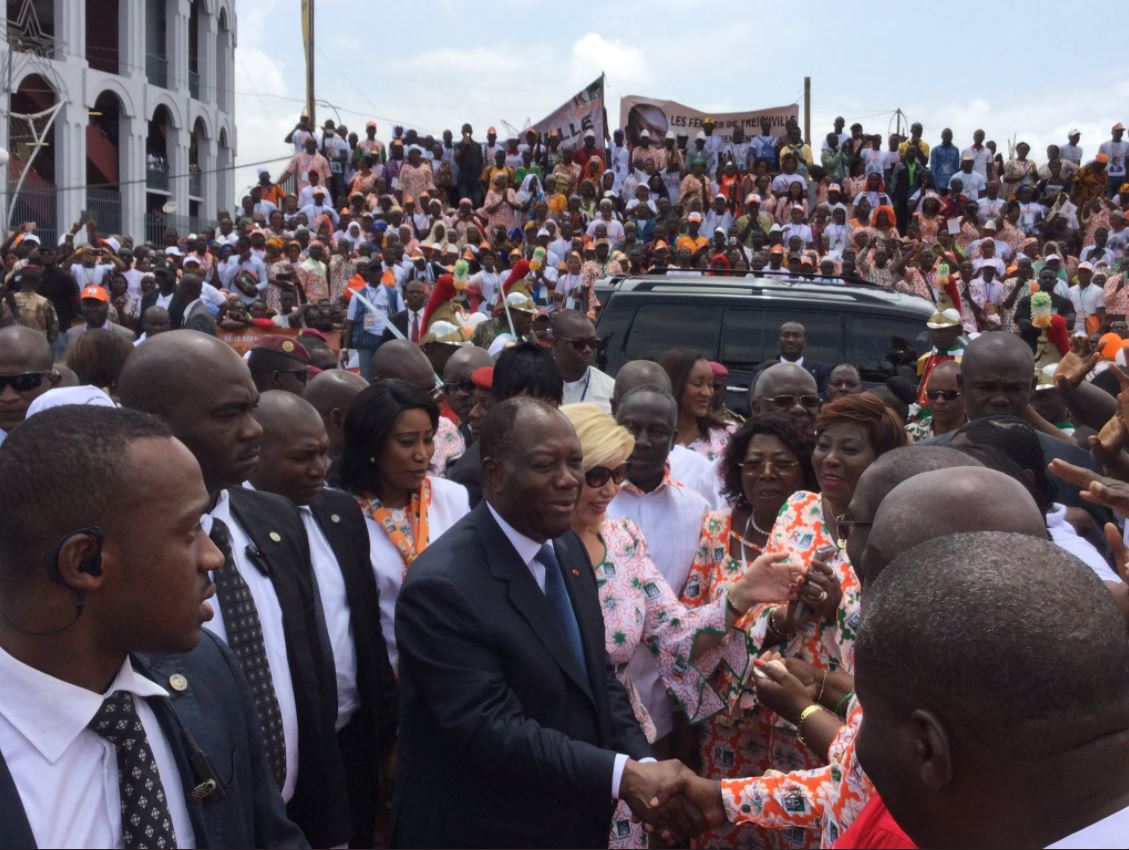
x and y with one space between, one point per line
1027 72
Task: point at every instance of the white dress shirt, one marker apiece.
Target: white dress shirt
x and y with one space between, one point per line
449 504
527 549
67 775
274 636
1108 832
593 386
697 473
418 315
1065 537
338 621
670 517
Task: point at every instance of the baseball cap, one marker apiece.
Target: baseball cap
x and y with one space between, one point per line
694 216
95 292
1074 131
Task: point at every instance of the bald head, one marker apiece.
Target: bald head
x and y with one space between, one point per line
946 501
997 375
784 379
294 447
146 380
464 361
331 393
638 373
886 473
403 360
23 350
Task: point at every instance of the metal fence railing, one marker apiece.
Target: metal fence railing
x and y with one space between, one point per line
157 175
157 69
156 223
39 205
196 184
105 207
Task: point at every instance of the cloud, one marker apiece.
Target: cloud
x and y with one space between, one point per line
593 54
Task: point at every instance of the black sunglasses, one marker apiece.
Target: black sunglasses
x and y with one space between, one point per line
581 344
301 374
22 382
598 476
947 395
459 386
811 402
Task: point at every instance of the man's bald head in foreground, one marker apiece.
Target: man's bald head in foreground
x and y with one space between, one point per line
404 360
638 373
331 392
943 502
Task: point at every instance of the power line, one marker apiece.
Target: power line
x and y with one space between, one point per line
232 167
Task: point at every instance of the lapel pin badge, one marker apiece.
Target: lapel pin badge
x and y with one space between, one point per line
275 536
335 517
576 573
178 683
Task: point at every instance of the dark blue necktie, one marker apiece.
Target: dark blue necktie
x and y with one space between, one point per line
557 596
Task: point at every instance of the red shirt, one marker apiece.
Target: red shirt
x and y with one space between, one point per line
874 827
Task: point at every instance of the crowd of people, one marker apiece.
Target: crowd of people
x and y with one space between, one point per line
412 571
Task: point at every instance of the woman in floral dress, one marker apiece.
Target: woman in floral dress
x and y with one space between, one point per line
817 627
639 606
691 380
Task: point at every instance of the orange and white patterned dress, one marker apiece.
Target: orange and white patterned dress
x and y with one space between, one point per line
748 739
824 801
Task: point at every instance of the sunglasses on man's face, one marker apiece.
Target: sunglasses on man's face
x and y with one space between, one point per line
786 402
947 395
598 476
591 343
22 382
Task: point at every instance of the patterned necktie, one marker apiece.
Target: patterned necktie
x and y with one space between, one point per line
415 327
146 822
245 637
557 596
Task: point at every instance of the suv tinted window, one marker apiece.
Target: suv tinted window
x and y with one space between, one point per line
658 327
823 333
745 338
878 344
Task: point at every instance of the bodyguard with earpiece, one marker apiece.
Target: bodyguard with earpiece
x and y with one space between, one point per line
122 722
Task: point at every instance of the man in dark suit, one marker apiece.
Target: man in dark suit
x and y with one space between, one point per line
293 464
163 294
409 322
267 612
514 730
792 342
107 673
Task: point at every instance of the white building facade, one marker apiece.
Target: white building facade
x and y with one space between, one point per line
146 88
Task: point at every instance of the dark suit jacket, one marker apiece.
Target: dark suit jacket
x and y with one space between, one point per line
504 740
1068 493
467 470
215 715
400 320
149 299
819 371
371 732
320 803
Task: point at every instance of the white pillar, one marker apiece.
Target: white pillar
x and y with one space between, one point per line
132 174
70 29
225 157
131 38
206 55
206 158
70 161
177 49
177 141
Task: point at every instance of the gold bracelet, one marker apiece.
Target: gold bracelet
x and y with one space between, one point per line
804 715
775 628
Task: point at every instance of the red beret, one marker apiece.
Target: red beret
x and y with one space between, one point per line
283 345
483 377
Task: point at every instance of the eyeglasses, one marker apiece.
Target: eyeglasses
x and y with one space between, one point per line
847 525
453 387
580 344
755 467
947 395
598 476
784 402
301 374
22 382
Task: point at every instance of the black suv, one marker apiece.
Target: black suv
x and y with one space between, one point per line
736 321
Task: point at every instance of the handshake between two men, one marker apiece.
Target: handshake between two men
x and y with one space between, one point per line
671 800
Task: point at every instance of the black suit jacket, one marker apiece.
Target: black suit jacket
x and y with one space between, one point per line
213 715
400 320
819 371
149 299
371 732
504 740
467 470
320 803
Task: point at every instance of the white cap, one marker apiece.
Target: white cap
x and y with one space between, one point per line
69 395
1074 131
31 237
173 251
670 135
644 133
1050 257
701 135
113 243
191 258
590 134
1085 265
263 171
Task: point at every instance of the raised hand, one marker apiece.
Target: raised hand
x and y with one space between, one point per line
770 578
1076 364
821 590
1095 488
780 689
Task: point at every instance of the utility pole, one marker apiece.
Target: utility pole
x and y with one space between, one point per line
807 110
308 20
